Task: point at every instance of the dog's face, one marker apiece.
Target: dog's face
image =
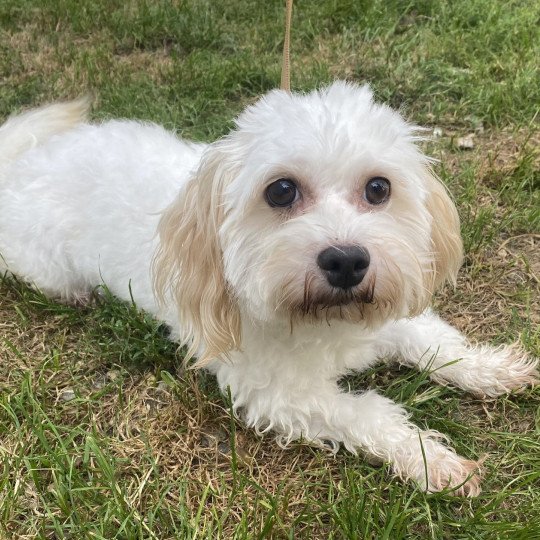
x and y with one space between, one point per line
317 207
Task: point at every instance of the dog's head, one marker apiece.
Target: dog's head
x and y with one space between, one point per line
316 207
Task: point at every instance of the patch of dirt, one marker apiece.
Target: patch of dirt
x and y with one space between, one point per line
494 152
38 56
498 285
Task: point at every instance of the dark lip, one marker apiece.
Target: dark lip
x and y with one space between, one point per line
335 303
339 299
329 298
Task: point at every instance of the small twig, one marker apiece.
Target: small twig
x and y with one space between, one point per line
508 240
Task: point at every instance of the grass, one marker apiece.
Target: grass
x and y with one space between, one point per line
102 432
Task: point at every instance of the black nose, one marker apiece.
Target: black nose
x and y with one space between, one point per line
344 266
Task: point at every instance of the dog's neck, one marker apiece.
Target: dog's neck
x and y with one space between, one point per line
280 341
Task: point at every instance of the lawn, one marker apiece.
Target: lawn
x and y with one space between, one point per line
104 434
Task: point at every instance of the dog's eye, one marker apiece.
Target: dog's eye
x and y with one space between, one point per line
282 192
377 190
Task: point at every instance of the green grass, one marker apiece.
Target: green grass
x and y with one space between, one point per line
104 435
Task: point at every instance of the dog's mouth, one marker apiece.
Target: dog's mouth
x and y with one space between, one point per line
336 299
319 302
333 302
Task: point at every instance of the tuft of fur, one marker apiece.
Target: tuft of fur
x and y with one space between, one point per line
24 131
445 233
195 281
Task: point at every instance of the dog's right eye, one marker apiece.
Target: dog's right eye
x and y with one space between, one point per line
281 193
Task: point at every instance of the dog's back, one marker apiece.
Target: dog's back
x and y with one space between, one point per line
80 203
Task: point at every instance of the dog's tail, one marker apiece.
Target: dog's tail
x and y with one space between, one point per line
24 131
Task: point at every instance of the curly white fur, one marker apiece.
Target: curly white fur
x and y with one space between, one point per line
186 229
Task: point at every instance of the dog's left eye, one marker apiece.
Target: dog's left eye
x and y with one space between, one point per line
377 190
281 193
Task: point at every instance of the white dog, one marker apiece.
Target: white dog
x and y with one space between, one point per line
305 244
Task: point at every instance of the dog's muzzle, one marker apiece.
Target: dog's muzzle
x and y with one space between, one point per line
344 266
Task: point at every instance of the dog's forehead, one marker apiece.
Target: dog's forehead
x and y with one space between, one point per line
339 128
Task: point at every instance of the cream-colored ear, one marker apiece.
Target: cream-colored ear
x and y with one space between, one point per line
188 267
445 233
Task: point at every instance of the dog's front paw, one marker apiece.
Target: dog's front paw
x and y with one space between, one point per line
505 369
438 468
456 474
487 371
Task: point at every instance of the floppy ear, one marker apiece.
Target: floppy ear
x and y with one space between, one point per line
188 267
445 233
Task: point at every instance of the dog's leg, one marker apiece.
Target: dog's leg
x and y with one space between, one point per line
427 342
306 407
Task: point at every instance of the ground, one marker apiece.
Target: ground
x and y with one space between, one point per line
103 433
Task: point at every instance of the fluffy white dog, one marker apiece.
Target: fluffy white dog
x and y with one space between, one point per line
305 244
